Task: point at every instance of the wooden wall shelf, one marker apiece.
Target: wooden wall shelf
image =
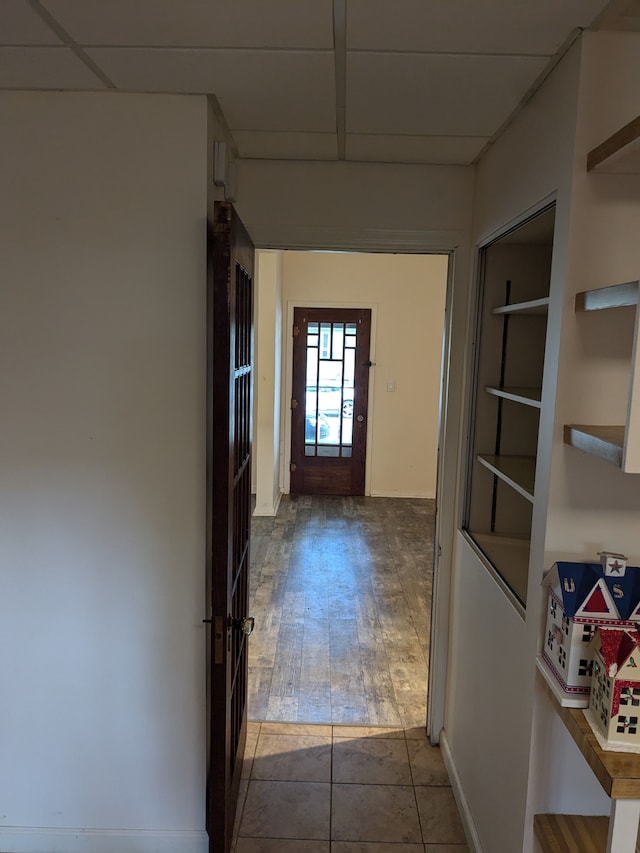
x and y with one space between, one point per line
615 296
605 442
619 775
620 153
617 772
569 833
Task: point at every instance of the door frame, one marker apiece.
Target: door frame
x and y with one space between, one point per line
285 399
447 519
444 532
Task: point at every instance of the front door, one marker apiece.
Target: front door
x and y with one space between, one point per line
329 405
229 390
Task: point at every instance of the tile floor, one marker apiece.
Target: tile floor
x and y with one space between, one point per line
344 789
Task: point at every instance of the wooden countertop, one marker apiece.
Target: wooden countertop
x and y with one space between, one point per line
617 772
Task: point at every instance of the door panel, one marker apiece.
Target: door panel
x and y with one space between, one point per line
329 405
229 409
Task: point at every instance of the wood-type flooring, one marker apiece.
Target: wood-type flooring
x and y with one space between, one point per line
341 593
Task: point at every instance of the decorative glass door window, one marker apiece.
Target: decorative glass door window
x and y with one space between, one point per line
329 388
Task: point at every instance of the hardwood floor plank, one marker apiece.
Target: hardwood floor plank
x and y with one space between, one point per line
341 592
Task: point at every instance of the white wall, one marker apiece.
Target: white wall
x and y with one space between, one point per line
406 294
595 357
489 712
356 206
102 498
268 361
593 506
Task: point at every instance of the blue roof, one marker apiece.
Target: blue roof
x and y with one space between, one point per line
625 590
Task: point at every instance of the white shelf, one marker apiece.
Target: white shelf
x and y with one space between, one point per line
603 298
535 307
605 442
526 396
511 554
519 472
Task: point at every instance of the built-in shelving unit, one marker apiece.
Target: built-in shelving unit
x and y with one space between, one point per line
620 153
619 444
512 322
619 775
614 442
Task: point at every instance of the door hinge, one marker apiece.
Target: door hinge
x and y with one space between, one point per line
294 404
293 466
296 331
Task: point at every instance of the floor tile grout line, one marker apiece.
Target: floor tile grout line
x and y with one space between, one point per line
415 795
331 789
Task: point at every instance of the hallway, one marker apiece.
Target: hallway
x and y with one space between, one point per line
341 596
337 758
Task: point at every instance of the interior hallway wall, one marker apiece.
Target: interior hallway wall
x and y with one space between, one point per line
268 358
102 461
529 163
593 505
407 294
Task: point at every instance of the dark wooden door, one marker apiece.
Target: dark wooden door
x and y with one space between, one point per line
329 405
230 360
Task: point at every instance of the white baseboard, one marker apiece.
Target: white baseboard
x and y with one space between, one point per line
456 786
420 495
19 839
270 511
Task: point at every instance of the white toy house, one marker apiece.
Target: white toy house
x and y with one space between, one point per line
614 704
583 597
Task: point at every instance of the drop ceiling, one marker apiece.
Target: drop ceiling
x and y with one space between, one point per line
396 81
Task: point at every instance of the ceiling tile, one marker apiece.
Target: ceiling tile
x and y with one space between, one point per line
286 146
469 26
442 95
197 23
19 24
460 150
44 68
265 90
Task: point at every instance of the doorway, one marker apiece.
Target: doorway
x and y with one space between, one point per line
402 437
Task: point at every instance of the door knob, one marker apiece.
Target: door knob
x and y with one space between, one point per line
360 418
245 625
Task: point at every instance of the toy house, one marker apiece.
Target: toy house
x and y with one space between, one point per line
614 703
583 597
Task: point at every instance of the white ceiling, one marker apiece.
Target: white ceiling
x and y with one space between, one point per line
415 81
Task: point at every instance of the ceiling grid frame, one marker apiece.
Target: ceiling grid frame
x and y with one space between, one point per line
414 82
